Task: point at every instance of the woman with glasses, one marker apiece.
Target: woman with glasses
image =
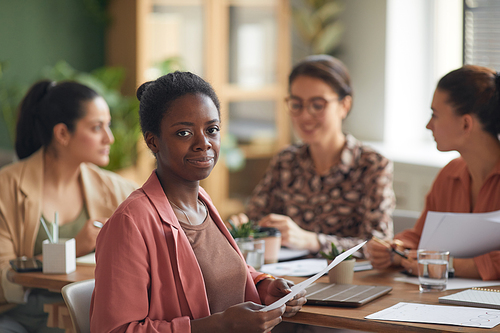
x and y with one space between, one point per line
330 187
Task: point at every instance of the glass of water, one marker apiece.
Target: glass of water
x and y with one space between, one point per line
252 250
432 270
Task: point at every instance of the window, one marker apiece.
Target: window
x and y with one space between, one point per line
424 42
482 33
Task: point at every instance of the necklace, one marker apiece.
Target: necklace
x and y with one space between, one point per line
183 212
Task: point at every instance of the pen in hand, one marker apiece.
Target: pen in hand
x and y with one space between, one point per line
387 245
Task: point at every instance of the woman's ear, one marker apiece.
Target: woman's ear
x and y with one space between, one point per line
61 134
468 123
152 142
346 104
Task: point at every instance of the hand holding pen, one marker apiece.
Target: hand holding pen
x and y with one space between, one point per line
383 254
390 247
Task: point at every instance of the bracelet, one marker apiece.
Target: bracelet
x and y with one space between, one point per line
262 277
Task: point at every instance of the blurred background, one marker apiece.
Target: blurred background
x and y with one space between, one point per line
395 50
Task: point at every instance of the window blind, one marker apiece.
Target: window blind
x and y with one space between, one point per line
482 33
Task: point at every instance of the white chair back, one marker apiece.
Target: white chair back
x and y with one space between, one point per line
77 296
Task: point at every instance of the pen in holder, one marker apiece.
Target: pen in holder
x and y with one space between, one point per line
59 255
55 228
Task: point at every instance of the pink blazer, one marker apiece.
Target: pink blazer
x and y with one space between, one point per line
147 278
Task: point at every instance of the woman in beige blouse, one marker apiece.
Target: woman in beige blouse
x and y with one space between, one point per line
62 140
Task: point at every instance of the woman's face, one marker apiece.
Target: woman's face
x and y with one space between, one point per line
446 125
189 143
92 138
324 126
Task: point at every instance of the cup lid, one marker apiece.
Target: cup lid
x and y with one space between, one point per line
270 231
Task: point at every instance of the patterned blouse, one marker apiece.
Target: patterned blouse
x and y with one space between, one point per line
354 201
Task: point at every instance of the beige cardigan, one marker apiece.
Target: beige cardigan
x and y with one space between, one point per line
20 209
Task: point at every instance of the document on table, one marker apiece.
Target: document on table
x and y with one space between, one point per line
439 314
306 267
302 267
453 283
88 259
465 235
304 284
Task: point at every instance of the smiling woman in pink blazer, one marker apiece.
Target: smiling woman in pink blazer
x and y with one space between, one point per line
165 260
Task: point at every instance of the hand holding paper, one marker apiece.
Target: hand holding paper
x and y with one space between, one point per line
304 284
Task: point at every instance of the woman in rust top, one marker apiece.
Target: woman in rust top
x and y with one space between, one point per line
330 187
465 118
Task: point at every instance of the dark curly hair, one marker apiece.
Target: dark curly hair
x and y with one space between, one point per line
475 90
156 97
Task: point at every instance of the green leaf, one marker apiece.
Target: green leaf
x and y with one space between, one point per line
170 65
317 21
306 25
329 38
334 252
244 230
330 10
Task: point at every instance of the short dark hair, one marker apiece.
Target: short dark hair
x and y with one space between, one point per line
327 68
45 105
475 90
156 97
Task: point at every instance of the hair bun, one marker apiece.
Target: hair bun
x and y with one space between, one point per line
142 88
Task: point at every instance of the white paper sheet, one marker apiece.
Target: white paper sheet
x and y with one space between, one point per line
304 284
306 267
465 235
302 267
439 314
453 283
88 259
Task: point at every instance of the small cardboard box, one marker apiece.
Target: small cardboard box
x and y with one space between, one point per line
60 257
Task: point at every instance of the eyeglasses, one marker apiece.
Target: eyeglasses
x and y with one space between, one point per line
315 106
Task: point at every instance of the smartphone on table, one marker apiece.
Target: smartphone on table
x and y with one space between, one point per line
25 264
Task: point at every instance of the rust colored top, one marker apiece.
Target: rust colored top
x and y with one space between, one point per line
451 192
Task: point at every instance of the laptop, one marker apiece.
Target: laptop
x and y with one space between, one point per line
347 295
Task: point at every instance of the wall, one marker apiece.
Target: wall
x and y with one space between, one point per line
35 34
363 52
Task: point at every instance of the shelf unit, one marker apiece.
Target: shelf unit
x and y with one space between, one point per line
242 47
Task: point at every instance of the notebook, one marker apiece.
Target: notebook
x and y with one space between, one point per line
347 295
482 298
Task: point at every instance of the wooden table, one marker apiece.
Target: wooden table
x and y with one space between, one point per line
58 312
52 282
354 318
338 317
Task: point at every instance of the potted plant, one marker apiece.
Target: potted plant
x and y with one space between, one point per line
343 272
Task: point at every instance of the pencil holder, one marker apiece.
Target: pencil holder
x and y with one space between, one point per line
343 273
60 257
